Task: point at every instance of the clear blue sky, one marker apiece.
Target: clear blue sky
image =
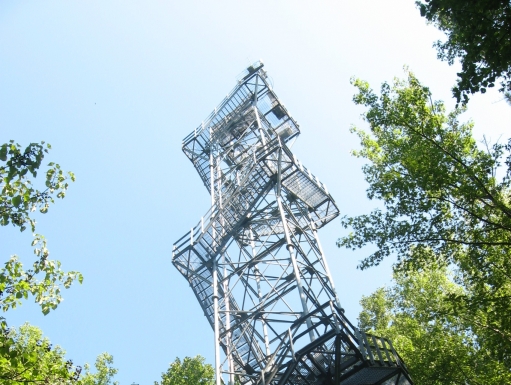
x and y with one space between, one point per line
115 85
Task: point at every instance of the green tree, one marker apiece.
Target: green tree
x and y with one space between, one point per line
24 356
104 372
19 198
190 371
442 198
479 35
438 347
28 358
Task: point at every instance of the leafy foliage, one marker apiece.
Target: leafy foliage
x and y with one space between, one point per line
28 358
438 346
479 35
190 371
444 203
104 372
18 195
43 281
18 199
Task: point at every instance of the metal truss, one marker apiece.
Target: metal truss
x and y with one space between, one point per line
255 262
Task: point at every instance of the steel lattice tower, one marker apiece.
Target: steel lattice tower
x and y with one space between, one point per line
254 261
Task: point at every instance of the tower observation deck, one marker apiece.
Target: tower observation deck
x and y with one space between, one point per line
255 262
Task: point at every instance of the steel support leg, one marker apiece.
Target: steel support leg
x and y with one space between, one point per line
324 262
218 363
259 294
291 250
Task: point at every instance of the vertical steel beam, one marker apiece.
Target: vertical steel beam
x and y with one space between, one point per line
324 262
291 250
259 126
228 336
218 363
259 294
225 285
337 364
214 272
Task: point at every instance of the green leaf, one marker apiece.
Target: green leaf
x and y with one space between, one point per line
16 200
3 152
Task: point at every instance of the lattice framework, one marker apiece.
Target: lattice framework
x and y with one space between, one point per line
255 262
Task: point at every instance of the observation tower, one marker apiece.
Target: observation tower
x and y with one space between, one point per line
254 261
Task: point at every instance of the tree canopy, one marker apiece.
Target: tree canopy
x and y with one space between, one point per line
190 371
104 372
28 358
445 201
479 35
439 347
19 198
